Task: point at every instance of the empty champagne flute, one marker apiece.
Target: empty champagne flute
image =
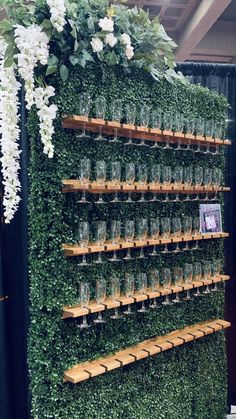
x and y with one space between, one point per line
197 276
100 238
178 282
155 231
115 294
188 180
84 108
216 181
216 268
144 121
115 177
84 176
206 274
116 112
187 230
209 131
188 277
83 235
154 278
130 112
176 230
100 112
218 133
207 179
178 128
101 172
156 122
142 178
166 176
177 174
142 235
200 129
115 238
142 288
168 126
129 236
84 298
165 232
198 179
100 297
196 231
155 180
130 178
129 291
166 282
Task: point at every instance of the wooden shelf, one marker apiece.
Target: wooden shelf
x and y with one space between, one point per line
136 132
74 185
76 250
77 311
154 346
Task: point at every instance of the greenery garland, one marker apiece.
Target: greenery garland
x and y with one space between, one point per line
186 383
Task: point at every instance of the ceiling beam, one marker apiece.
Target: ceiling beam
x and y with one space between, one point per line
203 19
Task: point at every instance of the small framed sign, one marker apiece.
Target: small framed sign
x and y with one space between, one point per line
210 218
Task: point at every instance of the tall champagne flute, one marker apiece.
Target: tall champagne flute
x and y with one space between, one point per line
155 231
115 177
129 177
83 235
209 132
177 281
100 297
116 112
154 279
165 232
176 230
84 298
198 178
115 238
197 276
129 290
130 112
100 111
218 131
196 231
101 169
207 179
155 179
168 126
166 282
188 277
199 126
190 129
177 174
142 178
188 180
84 109
144 121
84 176
115 294
166 176
100 238
142 288
142 234
187 230
206 274
216 181
216 268
178 128
129 236
156 122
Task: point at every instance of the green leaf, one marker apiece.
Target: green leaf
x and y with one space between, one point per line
52 60
9 61
5 26
46 24
51 69
64 73
74 59
87 56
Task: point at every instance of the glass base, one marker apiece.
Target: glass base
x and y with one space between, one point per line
84 326
166 303
99 321
100 138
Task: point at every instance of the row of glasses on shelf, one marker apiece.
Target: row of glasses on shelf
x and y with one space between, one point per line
150 118
153 281
155 176
153 229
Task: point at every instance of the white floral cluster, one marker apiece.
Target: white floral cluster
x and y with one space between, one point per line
107 25
57 11
9 136
46 114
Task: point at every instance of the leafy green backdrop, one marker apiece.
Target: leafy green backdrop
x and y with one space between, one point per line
186 383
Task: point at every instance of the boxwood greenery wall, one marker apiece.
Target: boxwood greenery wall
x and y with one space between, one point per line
185 383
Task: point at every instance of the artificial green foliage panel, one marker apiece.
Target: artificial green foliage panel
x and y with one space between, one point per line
188 382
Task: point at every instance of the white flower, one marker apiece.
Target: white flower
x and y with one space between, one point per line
111 39
125 39
46 114
57 11
9 136
97 44
106 24
129 52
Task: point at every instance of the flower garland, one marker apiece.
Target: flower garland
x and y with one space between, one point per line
10 133
57 11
